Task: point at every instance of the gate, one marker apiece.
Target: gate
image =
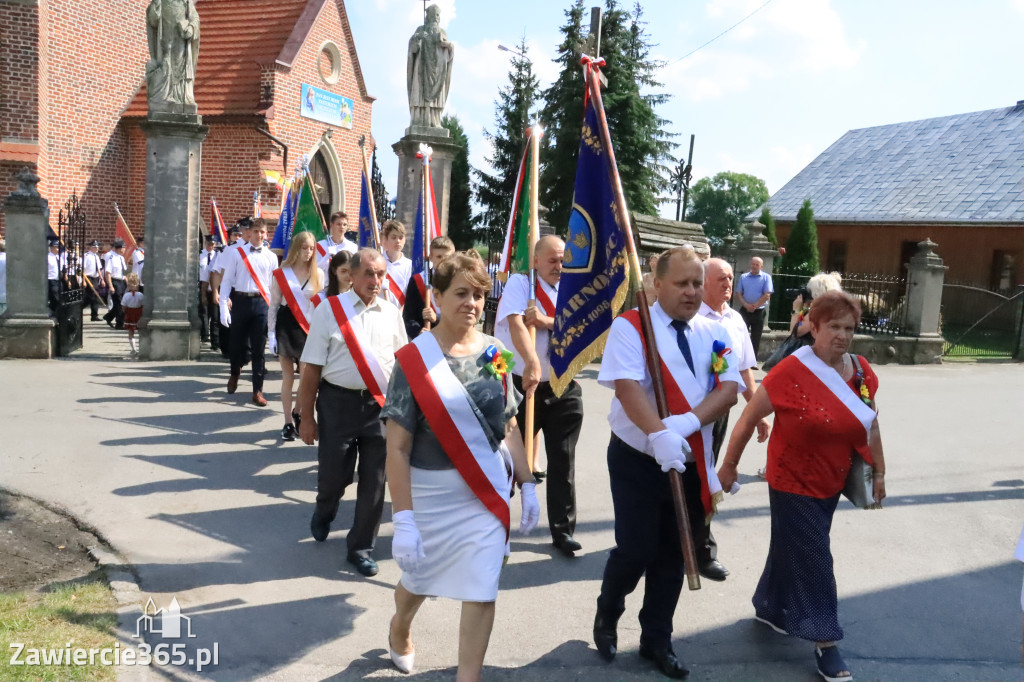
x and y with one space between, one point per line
978 323
71 232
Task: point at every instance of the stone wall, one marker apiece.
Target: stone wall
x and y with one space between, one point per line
879 350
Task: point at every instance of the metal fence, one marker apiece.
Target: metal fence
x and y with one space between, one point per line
979 323
882 299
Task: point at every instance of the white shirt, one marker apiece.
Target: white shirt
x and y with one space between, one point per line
91 264
325 346
132 299
742 349
332 247
400 271
237 275
138 260
221 259
624 359
52 266
116 266
513 302
277 298
206 259
3 277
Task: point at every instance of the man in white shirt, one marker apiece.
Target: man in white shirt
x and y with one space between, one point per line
235 240
347 413
208 312
244 301
718 278
644 447
92 269
53 275
399 267
117 268
560 418
334 242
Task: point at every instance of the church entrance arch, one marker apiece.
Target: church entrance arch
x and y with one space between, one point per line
325 172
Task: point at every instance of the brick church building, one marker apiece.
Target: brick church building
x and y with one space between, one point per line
72 98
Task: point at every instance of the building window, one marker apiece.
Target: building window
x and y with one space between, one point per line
1004 271
836 260
328 63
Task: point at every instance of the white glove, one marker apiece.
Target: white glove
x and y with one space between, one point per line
531 508
225 313
684 424
273 343
669 450
735 488
407 545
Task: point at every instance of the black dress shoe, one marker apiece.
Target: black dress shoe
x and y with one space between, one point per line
363 564
320 528
712 569
567 545
605 637
667 663
288 432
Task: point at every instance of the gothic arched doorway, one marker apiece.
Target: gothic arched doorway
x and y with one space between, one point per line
320 174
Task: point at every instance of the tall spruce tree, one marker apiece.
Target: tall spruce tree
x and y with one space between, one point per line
495 191
461 221
802 256
769 226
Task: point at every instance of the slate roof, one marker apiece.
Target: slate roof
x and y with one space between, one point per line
237 38
967 168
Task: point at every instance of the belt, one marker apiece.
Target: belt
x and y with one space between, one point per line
117 279
247 294
361 392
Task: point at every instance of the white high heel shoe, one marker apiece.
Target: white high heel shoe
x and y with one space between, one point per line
404 662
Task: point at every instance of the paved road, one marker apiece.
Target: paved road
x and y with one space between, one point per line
195 489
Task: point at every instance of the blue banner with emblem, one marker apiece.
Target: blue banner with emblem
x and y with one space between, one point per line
367 219
594 282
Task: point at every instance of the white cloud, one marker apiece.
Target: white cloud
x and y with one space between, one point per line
1017 6
713 75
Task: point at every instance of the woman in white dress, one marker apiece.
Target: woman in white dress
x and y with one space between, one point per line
450 408
293 285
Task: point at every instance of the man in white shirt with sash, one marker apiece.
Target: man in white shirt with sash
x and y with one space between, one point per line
244 305
399 267
92 268
346 366
645 447
334 242
117 268
560 418
208 312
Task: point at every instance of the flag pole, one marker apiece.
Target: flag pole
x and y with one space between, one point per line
653 361
534 143
427 215
369 197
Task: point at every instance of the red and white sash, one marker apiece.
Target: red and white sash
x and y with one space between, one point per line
317 299
421 285
291 289
448 409
544 301
398 281
321 250
359 346
255 278
838 388
396 291
683 391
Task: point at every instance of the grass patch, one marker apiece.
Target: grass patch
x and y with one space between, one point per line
82 612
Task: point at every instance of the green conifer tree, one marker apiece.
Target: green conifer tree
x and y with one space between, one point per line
769 226
461 221
802 256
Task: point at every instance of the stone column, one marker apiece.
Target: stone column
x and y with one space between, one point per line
170 324
925 276
410 174
754 243
26 329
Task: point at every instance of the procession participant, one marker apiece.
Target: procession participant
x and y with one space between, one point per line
244 302
335 241
138 258
235 241
346 365
399 267
117 268
53 275
340 275
132 302
416 311
92 269
718 278
450 409
643 447
823 399
560 418
208 327
293 286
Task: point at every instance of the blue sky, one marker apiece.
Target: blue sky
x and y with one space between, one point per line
764 99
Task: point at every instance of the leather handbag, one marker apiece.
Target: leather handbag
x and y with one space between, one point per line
860 480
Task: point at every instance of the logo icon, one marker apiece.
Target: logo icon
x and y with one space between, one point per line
170 621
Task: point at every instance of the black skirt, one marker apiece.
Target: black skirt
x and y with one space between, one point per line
290 337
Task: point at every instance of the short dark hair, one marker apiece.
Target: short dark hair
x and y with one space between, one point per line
336 215
392 226
686 252
259 223
442 242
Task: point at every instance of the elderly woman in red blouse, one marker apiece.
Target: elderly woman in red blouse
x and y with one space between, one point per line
824 405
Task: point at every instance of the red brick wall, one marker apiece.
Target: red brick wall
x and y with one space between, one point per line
967 251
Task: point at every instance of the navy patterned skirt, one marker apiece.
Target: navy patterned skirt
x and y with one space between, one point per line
797 591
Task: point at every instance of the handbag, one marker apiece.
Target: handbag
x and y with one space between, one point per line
792 344
860 480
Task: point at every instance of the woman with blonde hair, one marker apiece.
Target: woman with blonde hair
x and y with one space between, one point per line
451 408
292 287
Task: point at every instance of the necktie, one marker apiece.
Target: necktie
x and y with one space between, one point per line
683 342
256 249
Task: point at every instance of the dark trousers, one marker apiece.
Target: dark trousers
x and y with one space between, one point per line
646 543
209 318
93 298
116 312
560 419
53 294
346 420
249 334
755 325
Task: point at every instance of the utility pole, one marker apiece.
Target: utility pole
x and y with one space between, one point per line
681 180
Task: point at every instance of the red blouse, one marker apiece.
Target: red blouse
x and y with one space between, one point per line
814 434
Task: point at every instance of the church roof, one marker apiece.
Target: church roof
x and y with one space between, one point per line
238 38
966 168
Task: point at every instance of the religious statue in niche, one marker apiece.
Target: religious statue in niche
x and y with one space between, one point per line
429 70
172 31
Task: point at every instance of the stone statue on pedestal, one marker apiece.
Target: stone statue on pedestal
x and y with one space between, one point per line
429 71
172 31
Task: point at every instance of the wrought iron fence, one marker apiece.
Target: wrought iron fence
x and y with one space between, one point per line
979 323
384 208
882 299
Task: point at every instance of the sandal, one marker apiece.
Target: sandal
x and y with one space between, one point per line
831 665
